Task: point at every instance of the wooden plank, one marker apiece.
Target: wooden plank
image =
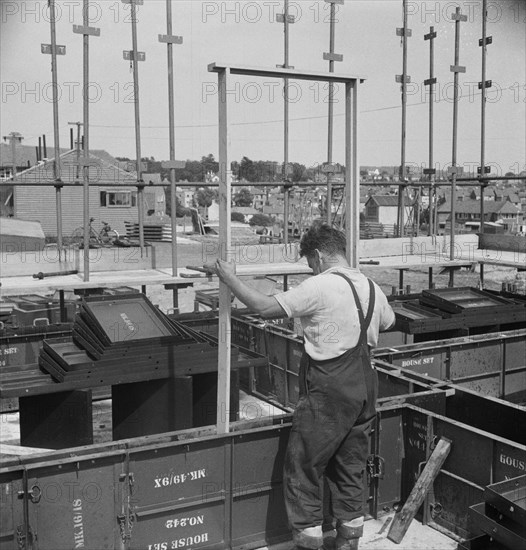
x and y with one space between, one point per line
225 298
403 519
283 73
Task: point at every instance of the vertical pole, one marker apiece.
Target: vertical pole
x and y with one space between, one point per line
140 186
401 188
13 154
455 69
483 114
171 123
352 173
85 117
56 138
223 367
431 170
331 115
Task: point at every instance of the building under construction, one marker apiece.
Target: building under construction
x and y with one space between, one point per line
136 421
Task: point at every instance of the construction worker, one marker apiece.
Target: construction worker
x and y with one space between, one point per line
341 313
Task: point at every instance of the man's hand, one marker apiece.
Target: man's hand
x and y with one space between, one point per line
224 270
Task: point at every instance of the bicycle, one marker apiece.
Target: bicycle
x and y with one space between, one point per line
104 238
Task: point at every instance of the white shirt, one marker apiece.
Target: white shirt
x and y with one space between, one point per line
327 311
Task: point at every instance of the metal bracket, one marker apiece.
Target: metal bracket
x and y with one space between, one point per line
458 17
48 48
280 18
126 524
34 495
430 171
21 537
128 55
455 170
170 39
177 164
487 170
489 40
332 56
457 69
375 466
83 29
400 78
137 2
487 84
400 32
430 35
334 2
429 81
284 66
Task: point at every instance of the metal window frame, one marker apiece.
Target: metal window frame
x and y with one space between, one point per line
352 194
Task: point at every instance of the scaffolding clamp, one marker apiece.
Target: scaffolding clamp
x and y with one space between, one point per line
400 31
128 55
170 39
48 48
84 29
487 84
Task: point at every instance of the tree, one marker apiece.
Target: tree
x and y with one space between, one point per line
181 210
237 217
261 219
205 196
209 164
243 197
247 170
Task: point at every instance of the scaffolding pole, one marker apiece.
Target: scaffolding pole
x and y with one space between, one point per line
483 84
455 69
331 57
55 50
86 32
403 79
431 170
286 19
134 56
172 165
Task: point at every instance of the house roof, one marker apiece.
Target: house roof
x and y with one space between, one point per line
101 172
384 200
473 207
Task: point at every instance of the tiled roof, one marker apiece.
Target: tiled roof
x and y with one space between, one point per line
473 207
101 171
385 200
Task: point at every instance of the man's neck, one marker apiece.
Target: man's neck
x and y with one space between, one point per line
339 261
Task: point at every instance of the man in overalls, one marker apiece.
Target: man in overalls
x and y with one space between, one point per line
341 313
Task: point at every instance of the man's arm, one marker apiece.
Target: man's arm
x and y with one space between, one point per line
262 304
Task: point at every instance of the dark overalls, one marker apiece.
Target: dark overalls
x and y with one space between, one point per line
329 433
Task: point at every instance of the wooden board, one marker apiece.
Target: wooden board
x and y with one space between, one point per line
403 519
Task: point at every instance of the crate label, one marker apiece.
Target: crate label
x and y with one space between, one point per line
417 434
78 524
184 542
510 462
176 479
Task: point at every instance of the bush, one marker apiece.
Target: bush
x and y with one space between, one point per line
237 217
261 219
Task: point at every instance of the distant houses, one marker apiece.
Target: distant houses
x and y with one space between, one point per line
467 214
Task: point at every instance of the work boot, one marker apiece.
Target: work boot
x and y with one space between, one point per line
310 538
349 533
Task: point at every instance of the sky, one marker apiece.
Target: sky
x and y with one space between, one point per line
245 32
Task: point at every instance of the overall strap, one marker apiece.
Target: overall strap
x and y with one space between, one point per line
364 322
